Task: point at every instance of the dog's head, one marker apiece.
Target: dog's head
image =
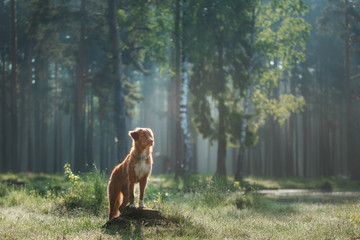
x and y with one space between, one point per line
143 137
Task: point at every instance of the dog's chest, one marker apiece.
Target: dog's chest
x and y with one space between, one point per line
142 168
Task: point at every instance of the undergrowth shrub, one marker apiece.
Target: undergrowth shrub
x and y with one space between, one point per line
241 201
248 198
3 190
245 196
85 193
16 197
13 199
214 192
208 191
51 189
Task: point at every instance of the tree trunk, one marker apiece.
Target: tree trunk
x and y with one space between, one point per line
184 90
29 115
305 123
22 116
14 79
239 173
56 166
44 117
37 112
102 145
179 163
119 101
40 114
241 155
90 132
60 145
289 148
221 153
4 116
79 122
268 147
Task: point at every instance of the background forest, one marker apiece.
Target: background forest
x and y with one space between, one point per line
236 87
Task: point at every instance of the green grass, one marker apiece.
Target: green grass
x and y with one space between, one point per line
335 183
62 207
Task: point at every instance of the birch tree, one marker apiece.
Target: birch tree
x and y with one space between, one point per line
184 90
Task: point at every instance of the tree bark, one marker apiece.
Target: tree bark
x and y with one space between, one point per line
184 91
239 173
179 161
14 80
90 134
221 153
56 166
37 112
43 94
241 155
4 115
102 145
119 101
305 124
30 142
79 122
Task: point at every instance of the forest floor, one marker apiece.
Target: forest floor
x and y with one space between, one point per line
40 206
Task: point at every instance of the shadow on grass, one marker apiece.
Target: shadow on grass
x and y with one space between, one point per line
133 231
170 226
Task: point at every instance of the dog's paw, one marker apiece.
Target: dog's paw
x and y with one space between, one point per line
132 205
141 204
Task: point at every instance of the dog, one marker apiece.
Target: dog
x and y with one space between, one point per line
136 168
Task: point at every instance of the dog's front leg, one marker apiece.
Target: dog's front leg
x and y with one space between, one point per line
131 194
143 183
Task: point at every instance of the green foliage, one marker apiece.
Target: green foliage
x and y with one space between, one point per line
145 26
159 200
72 177
3 190
216 28
132 97
280 38
88 192
246 198
280 109
103 86
332 21
267 46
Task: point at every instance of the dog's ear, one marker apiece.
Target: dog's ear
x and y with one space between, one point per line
134 135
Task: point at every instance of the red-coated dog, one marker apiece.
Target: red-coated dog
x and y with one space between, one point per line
136 168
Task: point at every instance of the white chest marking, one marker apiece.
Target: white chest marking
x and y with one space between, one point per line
142 168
